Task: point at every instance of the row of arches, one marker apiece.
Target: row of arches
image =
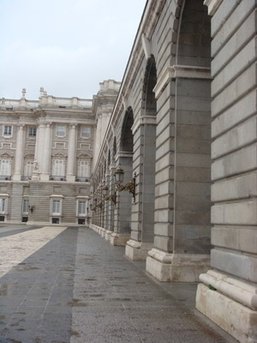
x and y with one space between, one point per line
176 133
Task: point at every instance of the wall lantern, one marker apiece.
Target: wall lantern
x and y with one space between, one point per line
107 197
129 186
31 208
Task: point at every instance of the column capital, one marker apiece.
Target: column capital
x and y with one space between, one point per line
143 120
49 124
20 125
182 72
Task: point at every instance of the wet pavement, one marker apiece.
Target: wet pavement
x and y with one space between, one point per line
61 285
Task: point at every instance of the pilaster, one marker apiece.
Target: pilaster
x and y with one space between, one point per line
19 153
227 292
71 154
45 169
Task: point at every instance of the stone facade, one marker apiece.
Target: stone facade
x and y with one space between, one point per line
183 135
47 149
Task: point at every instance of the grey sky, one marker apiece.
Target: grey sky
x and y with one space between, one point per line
66 46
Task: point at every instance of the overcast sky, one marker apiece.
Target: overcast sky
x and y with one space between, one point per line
65 46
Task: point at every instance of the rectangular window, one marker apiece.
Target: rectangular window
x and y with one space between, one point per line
56 207
85 132
28 168
60 131
81 207
32 131
25 206
58 168
2 205
7 130
5 167
83 168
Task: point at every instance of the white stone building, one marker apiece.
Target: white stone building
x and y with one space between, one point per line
46 156
183 135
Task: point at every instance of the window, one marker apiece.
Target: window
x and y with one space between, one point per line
82 208
28 168
5 167
2 205
7 130
85 132
83 168
60 131
25 206
56 207
32 131
58 167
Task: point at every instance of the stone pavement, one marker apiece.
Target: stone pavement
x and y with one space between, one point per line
62 285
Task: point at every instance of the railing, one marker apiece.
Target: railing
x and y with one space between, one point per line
57 178
45 100
5 177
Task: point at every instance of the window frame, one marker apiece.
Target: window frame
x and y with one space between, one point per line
54 198
24 208
57 165
85 128
32 129
57 133
9 160
7 135
4 204
84 165
78 213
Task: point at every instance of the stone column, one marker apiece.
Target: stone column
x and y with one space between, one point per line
40 139
19 154
71 154
182 207
227 293
46 153
122 213
142 224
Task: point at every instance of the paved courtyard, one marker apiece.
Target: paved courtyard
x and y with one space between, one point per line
61 285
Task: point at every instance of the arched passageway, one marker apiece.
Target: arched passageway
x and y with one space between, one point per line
142 234
182 206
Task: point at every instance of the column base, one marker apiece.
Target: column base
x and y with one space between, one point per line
119 239
230 303
136 251
70 178
16 177
176 267
35 176
107 235
44 177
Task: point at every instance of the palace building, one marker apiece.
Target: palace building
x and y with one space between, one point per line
46 156
164 164
175 178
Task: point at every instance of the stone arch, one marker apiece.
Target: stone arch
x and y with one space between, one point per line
183 149
148 95
114 149
109 158
125 159
126 140
192 130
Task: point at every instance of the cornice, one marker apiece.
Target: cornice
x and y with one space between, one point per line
212 6
180 71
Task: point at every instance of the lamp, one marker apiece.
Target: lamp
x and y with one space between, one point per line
111 197
129 186
119 175
31 208
105 190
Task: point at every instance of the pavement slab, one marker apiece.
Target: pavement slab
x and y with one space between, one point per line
68 285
